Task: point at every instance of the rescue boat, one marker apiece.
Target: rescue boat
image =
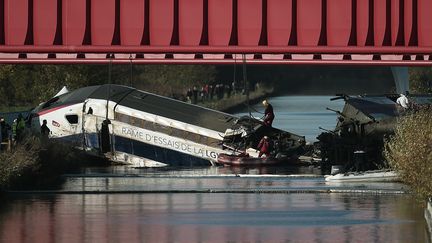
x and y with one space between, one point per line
246 160
366 176
142 129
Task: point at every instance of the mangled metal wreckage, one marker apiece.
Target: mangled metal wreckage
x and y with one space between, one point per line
365 122
138 128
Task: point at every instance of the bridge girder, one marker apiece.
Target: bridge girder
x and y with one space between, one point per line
344 32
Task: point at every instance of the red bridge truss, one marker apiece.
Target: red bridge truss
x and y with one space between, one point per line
378 32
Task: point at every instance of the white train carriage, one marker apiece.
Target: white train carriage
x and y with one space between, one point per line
138 128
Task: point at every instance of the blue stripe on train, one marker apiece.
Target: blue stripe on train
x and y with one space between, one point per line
137 148
159 154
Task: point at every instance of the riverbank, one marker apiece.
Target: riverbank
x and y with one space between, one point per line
25 165
34 163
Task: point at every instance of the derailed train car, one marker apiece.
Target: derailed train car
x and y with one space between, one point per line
357 141
138 128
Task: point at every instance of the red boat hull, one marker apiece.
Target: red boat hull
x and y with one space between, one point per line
245 160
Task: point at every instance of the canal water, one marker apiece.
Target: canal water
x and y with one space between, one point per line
217 204
302 115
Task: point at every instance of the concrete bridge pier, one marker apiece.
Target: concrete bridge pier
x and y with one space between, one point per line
401 77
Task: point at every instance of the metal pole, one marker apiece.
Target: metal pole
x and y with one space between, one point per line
246 84
131 71
235 69
109 82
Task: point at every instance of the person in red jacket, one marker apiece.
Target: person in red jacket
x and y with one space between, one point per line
264 147
268 113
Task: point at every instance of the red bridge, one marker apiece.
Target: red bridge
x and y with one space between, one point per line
383 32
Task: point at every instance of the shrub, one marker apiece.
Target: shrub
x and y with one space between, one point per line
34 164
409 151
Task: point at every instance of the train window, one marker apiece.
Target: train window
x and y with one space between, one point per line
72 119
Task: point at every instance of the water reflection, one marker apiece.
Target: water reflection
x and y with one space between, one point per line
202 171
126 179
212 218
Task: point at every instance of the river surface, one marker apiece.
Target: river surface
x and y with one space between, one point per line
302 115
217 204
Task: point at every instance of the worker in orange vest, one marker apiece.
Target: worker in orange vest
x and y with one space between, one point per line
264 147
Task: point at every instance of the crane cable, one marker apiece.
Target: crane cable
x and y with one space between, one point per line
246 84
109 82
131 71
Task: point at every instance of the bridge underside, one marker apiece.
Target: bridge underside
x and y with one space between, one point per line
343 32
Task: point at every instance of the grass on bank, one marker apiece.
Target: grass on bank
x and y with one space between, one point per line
34 163
409 151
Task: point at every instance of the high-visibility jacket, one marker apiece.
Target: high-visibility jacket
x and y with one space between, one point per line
21 125
14 128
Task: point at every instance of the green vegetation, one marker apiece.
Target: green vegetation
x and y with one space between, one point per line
409 151
14 108
28 85
420 80
35 164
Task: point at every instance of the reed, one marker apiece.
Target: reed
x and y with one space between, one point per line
34 163
409 151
